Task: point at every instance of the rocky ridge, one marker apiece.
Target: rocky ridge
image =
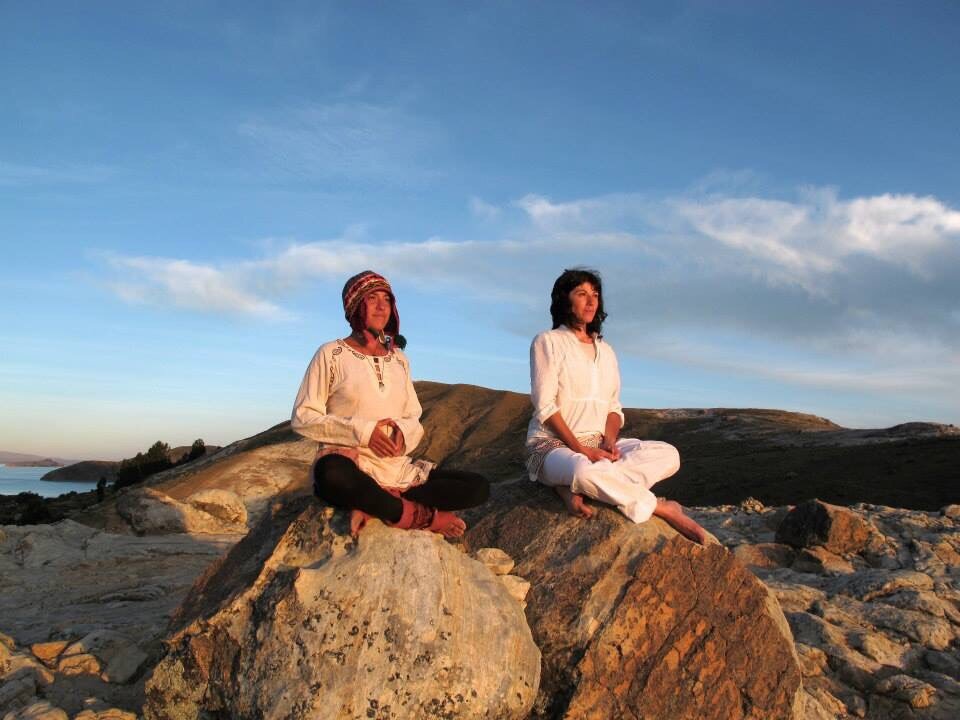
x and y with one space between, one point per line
869 596
635 621
869 593
728 455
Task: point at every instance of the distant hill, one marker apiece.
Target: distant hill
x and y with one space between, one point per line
727 455
46 462
181 451
15 459
85 471
93 470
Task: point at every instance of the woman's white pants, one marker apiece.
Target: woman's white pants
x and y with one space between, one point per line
624 483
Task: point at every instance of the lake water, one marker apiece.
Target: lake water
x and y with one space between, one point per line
15 480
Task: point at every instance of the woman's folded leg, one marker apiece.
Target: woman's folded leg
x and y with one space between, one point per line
451 490
602 481
647 461
338 481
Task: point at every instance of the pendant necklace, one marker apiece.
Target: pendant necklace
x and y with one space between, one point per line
379 371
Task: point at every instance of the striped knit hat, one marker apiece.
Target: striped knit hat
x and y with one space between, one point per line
361 285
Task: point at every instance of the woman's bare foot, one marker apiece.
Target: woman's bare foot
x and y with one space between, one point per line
576 505
672 512
447 524
358 521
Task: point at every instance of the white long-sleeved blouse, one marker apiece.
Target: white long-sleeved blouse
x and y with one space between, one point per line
345 393
565 379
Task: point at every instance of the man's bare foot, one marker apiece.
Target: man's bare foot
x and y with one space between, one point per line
358 521
447 524
672 512
576 505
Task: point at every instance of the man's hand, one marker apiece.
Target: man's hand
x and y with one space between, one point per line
386 440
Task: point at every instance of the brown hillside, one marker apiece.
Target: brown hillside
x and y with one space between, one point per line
728 455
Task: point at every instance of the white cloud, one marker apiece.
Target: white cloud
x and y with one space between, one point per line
820 234
770 230
188 285
813 291
900 229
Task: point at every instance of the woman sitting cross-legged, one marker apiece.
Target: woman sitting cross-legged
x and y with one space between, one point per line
357 400
572 440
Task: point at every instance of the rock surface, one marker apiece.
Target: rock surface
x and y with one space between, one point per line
255 470
29 691
63 581
815 523
634 621
875 625
881 639
495 559
298 620
224 505
152 512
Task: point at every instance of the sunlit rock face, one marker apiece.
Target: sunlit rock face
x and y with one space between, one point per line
301 621
635 621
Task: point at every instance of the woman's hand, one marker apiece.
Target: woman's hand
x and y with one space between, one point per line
386 440
610 446
398 440
596 454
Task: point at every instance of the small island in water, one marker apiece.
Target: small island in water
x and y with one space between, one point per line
46 462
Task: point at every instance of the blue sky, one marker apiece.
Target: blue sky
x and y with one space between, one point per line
770 190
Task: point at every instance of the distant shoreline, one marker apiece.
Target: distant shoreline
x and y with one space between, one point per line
46 479
68 480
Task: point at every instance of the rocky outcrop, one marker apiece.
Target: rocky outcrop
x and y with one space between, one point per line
635 621
815 523
152 512
299 620
29 690
224 505
877 637
255 469
62 582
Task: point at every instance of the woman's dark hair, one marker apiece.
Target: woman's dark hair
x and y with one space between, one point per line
560 308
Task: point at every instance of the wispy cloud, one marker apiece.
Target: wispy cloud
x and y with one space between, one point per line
484 210
14 174
347 140
916 370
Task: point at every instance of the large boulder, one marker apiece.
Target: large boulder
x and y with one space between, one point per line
816 523
635 621
152 512
299 620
